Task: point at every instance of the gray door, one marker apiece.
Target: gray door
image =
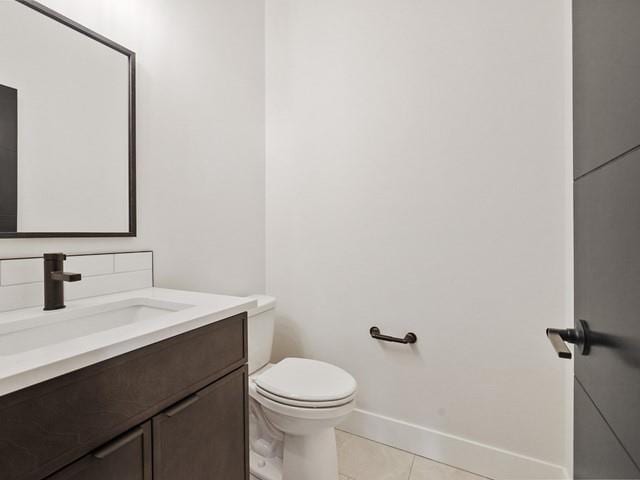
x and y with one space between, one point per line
606 39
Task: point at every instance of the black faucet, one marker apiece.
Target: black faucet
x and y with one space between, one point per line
54 278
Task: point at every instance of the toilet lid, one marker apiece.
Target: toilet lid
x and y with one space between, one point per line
307 381
305 404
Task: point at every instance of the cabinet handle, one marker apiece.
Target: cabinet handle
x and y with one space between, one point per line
117 444
177 408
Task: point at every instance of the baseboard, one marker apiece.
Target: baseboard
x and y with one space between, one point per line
474 457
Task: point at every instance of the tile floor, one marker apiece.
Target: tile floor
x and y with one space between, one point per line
362 459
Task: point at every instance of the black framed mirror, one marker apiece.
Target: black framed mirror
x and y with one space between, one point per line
67 127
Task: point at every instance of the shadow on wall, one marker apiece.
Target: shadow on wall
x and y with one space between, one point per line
287 339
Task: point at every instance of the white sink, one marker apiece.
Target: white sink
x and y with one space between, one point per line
63 325
36 346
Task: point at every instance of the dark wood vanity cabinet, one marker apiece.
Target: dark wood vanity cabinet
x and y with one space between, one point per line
128 457
174 409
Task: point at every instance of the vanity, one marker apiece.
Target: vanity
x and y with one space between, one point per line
155 388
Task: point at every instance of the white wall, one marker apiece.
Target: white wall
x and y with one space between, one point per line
418 179
200 139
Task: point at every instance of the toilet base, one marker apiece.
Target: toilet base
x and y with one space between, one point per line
263 468
312 457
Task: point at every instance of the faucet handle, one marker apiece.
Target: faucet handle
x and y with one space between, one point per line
66 276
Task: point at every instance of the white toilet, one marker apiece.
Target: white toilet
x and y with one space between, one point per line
295 405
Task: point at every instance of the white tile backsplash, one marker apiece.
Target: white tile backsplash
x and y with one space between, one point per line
131 262
21 282
90 265
26 295
15 272
105 284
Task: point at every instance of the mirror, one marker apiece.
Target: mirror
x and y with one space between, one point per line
67 127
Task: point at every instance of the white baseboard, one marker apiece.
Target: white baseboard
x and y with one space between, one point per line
459 452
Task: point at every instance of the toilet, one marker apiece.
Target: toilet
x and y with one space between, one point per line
295 405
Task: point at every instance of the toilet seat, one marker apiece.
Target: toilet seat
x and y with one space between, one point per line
305 383
303 413
304 404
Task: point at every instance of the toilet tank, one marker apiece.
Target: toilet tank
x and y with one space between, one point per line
261 323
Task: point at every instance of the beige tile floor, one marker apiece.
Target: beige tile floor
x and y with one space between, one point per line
362 459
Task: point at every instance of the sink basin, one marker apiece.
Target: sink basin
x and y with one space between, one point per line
63 325
36 346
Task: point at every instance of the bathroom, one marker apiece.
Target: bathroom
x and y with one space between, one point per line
319 239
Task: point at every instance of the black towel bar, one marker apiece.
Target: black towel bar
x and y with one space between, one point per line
408 338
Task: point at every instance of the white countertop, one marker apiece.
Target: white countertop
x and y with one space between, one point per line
25 368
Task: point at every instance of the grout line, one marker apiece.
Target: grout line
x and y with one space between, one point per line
82 254
84 275
413 462
21 284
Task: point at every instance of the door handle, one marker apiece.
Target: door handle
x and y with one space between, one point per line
117 444
581 336
180 406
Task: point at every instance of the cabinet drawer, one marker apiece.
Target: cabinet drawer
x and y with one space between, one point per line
128 457
205 436
47 426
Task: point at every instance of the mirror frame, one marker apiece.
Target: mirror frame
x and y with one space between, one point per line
38 7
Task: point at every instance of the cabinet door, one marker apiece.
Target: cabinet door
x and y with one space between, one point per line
205 436
128 457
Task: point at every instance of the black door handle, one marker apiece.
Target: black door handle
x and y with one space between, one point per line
117 444
183 405
581 336
408 338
